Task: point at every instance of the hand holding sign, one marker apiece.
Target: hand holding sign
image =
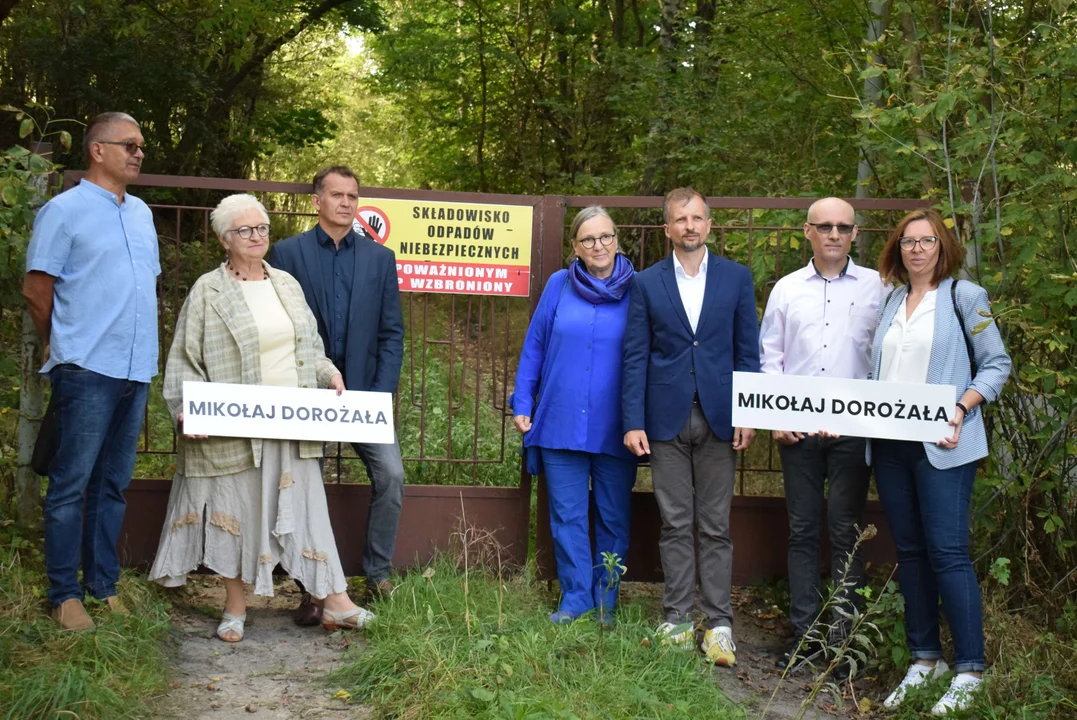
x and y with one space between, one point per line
189 437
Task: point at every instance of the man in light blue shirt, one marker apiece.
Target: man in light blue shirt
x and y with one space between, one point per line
91 277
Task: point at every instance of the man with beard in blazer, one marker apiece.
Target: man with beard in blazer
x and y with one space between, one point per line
351 286
692 321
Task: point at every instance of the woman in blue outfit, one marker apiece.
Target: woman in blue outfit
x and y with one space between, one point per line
925 336
567 404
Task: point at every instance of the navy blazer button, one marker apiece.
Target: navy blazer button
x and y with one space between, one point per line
696 343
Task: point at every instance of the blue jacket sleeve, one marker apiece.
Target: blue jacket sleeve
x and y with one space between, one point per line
746 328
533 353
637 352
279 259
992 361
390 333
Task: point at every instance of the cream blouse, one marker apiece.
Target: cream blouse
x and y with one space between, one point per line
276 333
907 344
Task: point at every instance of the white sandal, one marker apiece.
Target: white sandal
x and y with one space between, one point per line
347 620
231 623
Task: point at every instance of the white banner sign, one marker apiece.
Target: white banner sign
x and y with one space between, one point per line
860 408
283 413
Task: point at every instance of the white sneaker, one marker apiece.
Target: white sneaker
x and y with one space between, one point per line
718 646
917 675
682 636
959 696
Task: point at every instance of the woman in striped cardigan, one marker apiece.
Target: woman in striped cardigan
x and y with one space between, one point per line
925 335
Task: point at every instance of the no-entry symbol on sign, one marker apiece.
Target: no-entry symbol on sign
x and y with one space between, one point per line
373 222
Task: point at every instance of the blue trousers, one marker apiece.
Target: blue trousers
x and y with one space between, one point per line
576 481
928 512
98 419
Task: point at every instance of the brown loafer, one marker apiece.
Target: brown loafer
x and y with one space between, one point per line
308 614
72 616
116 605
379 590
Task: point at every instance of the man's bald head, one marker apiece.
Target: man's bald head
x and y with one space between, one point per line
830 206
831 229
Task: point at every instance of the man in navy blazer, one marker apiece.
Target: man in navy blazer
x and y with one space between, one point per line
351 286
692 321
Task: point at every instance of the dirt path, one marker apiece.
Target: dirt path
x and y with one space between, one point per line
275 673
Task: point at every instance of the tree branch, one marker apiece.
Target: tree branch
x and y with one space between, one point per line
267 49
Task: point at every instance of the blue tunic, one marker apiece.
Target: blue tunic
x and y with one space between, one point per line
569 377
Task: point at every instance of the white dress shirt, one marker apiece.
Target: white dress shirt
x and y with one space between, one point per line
907 344
818 327
691 288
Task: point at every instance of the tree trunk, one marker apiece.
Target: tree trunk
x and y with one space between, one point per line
873 92
31 408
649 182
915 77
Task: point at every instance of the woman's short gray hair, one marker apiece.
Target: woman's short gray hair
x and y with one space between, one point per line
589 213
227 209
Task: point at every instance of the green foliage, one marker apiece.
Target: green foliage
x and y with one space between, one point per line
979 114
423 660
107 673
212 88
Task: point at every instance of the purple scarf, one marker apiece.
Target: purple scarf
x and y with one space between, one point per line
598 291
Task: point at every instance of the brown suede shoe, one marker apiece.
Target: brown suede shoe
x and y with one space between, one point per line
72 616
308 614
116 605
379 590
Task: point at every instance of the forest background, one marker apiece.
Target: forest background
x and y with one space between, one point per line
970 104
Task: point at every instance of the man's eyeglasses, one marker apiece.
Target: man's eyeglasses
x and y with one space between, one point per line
826 228
246 231
589 242
130 146
925 242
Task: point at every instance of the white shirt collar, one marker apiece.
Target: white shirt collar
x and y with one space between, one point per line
678 269
851 269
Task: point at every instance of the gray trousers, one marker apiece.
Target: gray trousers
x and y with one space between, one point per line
806 467
693 478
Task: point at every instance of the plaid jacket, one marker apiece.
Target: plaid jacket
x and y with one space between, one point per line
217 341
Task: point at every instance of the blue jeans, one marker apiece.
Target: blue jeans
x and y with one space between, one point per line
928 512
385 468
98 419
570 477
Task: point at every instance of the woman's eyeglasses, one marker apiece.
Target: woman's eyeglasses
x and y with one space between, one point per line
247 231
589 242
925 242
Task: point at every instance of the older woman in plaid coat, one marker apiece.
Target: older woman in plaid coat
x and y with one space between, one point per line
240 506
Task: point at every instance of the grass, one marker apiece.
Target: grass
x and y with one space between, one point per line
454 645
110 672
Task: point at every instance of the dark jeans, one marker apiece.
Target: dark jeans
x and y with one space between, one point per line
928 512
578 481
807 467
98 419
693 478
386 471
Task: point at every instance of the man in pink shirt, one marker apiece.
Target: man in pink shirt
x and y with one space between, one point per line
819 322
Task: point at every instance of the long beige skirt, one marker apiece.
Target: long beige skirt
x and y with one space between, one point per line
242 525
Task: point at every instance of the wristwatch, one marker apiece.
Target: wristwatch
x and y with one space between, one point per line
964 410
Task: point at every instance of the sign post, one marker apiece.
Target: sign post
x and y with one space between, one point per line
283 413
450 247
860 408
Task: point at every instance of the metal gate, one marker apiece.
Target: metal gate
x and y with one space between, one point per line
461 453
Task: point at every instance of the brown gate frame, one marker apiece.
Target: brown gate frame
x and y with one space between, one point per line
758 525
431 513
